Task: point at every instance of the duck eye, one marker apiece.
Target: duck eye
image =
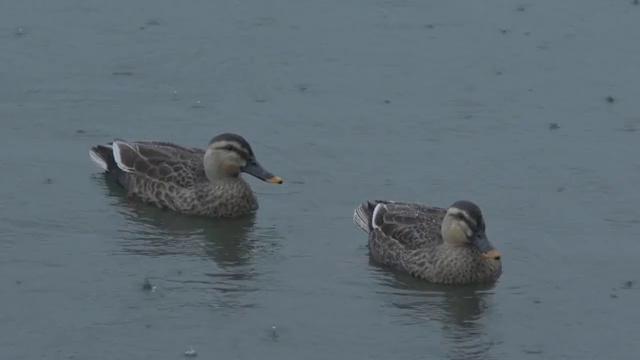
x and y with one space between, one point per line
229 148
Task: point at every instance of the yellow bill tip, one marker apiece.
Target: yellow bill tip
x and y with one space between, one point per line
493 254
274 180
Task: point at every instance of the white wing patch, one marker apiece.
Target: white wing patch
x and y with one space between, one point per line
375 214
118 156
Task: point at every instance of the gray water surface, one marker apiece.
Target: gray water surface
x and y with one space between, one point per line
529 109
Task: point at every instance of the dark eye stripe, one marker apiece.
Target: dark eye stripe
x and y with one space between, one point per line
469 222
242 153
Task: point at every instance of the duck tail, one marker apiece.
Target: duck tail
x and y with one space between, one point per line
102 155
363 215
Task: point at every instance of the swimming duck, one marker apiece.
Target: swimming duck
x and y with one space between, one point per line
187 180
443 246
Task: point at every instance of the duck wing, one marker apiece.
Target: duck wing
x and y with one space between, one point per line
159 161
170 148
413 225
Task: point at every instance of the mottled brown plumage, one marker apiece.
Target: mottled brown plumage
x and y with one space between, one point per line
445 246
187 180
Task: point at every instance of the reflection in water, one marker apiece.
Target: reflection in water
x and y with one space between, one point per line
226 241
229 243
458 310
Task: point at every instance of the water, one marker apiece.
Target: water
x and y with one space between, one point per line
347 101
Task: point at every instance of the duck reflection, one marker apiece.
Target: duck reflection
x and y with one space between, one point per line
229 244
458 310
155 232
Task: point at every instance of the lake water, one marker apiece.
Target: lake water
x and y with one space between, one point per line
529 109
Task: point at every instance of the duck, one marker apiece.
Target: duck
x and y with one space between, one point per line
439 245
193 181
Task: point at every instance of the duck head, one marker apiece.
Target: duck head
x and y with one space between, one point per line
464 225
228 155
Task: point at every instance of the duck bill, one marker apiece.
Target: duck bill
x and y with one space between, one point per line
482 243
254 168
